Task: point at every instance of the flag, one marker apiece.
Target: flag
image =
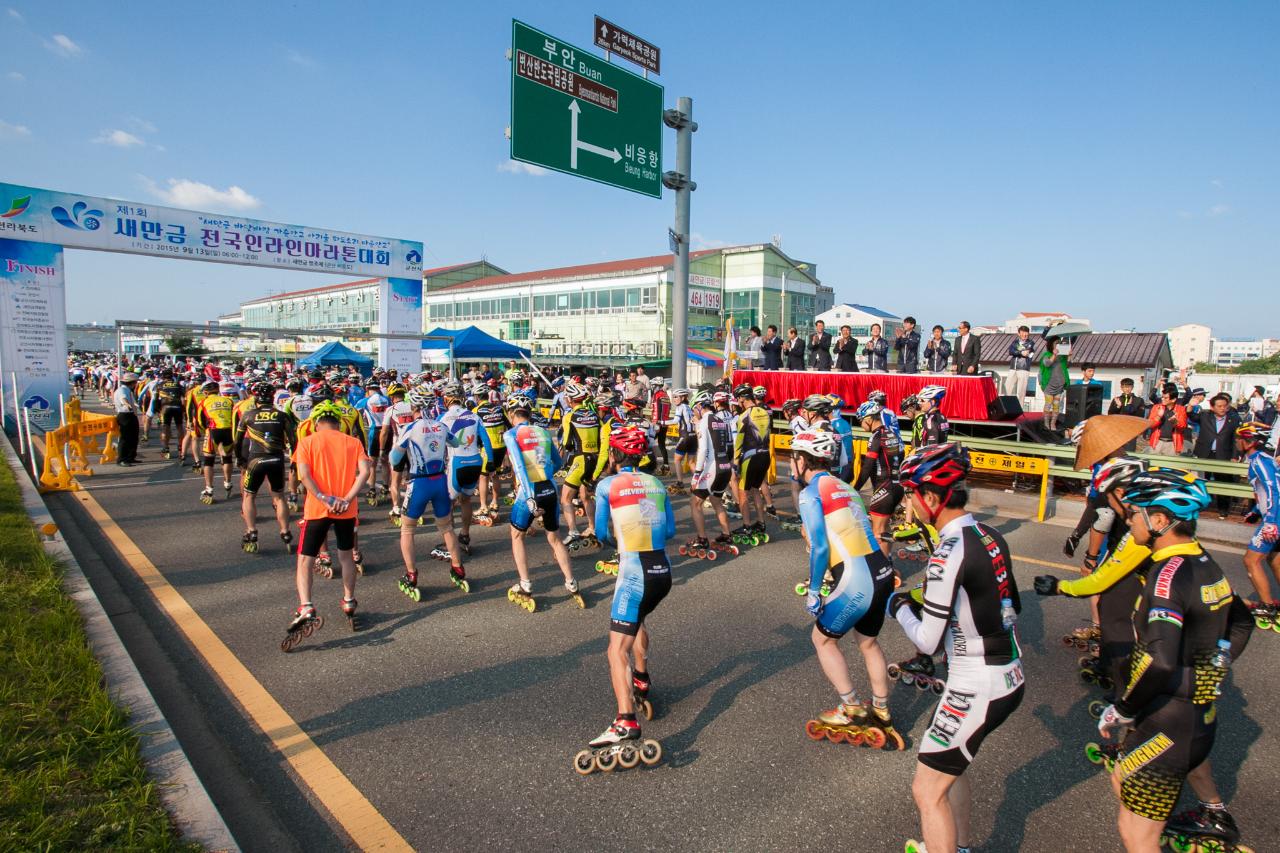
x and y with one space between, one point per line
730 347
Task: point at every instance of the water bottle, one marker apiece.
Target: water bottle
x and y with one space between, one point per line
1008 616
1221 661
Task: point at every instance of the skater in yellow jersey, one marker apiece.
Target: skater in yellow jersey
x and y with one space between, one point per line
216 413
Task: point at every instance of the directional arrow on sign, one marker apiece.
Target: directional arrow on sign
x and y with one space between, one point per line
576 144
604 31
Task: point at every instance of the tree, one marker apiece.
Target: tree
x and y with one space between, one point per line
1268 365
1206 367
179 344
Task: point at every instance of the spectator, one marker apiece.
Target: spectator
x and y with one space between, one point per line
125 403
1127 403
907 343
752 348
771 348
1168 422
820 347
794 350
876 350
937 352
846 349
1195 405
633 388
1086 376
967 351
1217 440
1257 400
1054 379
643 379
1020 352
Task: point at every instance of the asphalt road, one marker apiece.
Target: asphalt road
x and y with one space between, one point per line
458 717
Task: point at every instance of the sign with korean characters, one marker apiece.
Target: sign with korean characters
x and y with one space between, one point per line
627 45
111 225
573 112
33 329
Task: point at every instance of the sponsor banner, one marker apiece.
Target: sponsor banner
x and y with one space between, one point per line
400 313
33 330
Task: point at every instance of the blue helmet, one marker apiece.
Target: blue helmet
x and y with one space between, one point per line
1178 493
868 409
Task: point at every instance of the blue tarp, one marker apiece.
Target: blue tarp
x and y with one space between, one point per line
338 354
473 344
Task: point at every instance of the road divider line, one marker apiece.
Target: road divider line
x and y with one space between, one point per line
350 809
1048 563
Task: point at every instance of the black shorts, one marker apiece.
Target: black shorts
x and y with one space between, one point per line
544 494
172 416
753 470
493 459
718 485
882 579
217 443
686 444
1170 739
885 499
402 465
314 531
269 468
644 579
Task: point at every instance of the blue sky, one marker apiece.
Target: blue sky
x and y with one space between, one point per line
1116 161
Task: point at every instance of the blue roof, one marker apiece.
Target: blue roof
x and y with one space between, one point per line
874 312
472 343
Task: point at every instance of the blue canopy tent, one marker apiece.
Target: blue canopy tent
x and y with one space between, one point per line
474 344
338 354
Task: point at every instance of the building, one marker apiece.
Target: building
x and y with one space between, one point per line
1190 344
90 337
1230 352
619 312
859 318
1039 321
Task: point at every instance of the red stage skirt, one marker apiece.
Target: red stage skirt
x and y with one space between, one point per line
967 396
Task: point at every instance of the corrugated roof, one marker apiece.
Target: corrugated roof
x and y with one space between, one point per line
364 282
1101 349
867 309
1043 314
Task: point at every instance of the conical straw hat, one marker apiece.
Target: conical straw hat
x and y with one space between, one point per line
1105 434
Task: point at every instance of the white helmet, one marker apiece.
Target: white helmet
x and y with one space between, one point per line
573 390
1077 432
931 392
818 442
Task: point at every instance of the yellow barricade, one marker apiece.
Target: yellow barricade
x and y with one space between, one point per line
68 448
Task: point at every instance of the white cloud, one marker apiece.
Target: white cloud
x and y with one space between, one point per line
1219 210
698 242
118 138
16 77
515 167
13 131
182 192
1217 183
64 46
297 57
16 15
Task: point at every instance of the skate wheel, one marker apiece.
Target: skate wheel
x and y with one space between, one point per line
834 735
1087 676
1093 752
606 761
650 752
937 686
646 709
711 555
875 738
813 729
683 551
530 605
584 762
903 554
579 600
894 670
628 757
415 594
464 585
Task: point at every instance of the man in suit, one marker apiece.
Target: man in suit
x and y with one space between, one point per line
1217 440
793 349
876 350
907 343
846 349
820 347
771 349
967 351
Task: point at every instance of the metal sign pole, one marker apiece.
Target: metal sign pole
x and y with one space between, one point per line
681 119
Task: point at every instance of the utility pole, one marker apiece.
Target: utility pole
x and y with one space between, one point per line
681 120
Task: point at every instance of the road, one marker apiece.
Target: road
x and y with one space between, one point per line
456 718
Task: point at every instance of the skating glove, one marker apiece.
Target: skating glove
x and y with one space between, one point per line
813 603
532 506
1270 532
1046 585
1113 722
897 601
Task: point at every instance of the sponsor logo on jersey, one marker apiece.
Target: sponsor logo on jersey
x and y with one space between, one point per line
1215 593
1143 755
950 715
1164 580
1164 614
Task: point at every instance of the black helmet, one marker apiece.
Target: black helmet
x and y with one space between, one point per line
263 393
743 390
294 385
323 392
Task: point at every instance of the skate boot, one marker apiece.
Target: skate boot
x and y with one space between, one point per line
292 500
571 586
743 536
759 533
521 597
196 467
396 517
226 487
919 671
1106 754
731 510
287 538
464 542
696 547
772 512
640 685
790 522
1069 546
878 719
802 588
249 542
206 497
358 559
482 518
578 509
678 488
1203 828
349 610
1097 707
458 577
324 565
372 496
724 543
1092 672
164 452
854 724
664 469
440 552
576 542
305 622
1088 637
609 566
619 746
1264 615
409 585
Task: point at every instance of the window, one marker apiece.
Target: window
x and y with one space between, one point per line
633 297
647 295
617 298
575 301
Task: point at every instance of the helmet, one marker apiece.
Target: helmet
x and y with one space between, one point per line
208 386
720 398
819 443
702 398
837 402
324 392
573 390
743 390
931 392
264 393
518 403
1180 494
868 409
679 392
1077 432
326 408
419 399
817 404
657 382
941 465
395 388
372 385
878 397
604 400
629 440
760 393
294 385
911 401
592 381
1116 473
791 405
1253 433
315 375
451 391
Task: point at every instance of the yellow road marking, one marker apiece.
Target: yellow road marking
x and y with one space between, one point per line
352 811
1048 563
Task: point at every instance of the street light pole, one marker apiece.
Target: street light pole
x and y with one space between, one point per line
681 120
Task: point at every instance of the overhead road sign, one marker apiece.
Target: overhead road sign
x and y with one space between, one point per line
614 39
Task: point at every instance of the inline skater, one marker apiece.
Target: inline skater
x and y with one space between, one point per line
632 509
840 537
751 457
580 443
373 408
934 426
267 433
300 402
399 418
194 437
1188 626
969 608
465 461
423 447
712 473
1264 546
880 466
169 395
844 432
148 405
660 409
686 439
216 413
534 459
493 425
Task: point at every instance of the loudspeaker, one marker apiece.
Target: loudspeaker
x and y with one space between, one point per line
1083 402
1004 409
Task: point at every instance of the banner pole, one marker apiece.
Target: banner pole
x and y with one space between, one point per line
17 411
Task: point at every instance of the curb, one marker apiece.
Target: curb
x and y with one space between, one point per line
180 789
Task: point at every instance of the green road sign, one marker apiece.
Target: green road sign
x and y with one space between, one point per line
575 113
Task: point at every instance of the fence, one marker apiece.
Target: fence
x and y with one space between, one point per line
69 449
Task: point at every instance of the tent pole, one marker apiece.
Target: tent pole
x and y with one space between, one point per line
536 369
453 365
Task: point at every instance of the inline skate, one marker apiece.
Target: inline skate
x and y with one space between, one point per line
395 516
1092 672
226 486
618 747
349 610
409 585
1203 829
698 547
439 552
857 725
571 587
206 497
913 545
724 543
464 543
790 522
305 622
292 500
581 541
484 518
743 536
286 536
1265 615
640 696
324 565
1106 754
521 597
249 542
609 566
919 671
802 588
374 494
166 454
1088 637
1097 707
679 487
458 577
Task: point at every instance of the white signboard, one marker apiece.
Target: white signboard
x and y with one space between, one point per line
33 329
110 225
708 300
400 313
